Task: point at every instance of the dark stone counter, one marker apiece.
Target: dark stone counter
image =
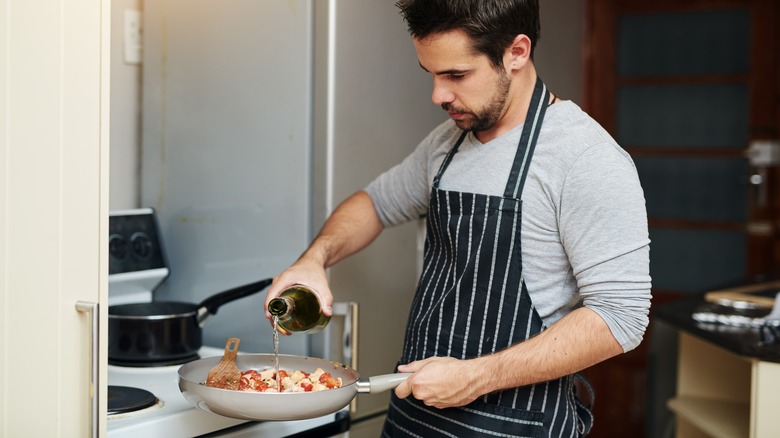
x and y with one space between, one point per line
742 341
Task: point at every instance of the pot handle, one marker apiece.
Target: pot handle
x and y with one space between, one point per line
210 305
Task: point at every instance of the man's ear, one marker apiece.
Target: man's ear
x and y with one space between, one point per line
519 52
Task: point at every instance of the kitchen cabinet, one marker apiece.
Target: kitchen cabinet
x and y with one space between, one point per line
53 212
724 395
726 381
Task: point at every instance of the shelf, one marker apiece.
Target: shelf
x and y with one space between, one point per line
718 418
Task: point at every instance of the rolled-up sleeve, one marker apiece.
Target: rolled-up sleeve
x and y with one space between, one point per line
603 222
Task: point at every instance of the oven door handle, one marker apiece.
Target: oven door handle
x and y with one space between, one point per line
93 309
349 341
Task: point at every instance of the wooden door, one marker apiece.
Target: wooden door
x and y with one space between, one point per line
690 89
53 213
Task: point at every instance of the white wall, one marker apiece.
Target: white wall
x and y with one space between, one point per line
125 115
559 59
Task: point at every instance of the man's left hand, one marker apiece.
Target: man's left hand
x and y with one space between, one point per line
442 382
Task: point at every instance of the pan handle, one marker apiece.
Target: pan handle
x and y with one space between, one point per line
382 382
210 305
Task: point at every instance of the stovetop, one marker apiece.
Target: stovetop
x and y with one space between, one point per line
173 416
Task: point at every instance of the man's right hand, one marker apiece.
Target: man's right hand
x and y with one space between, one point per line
305 273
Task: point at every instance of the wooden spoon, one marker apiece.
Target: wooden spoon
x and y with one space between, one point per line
225 374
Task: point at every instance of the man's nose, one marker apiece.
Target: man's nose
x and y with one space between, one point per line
441 94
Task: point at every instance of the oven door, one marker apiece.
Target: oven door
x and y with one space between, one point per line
332 426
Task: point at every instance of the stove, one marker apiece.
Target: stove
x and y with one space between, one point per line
170 411
146 401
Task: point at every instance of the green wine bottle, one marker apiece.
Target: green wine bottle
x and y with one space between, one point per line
298 310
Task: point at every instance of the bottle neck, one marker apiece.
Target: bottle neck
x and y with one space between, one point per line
281 306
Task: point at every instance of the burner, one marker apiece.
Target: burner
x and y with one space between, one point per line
123 399
150 364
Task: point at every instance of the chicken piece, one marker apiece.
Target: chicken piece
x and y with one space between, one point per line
315 376
267 374
317 386
287 384
272 384
298 375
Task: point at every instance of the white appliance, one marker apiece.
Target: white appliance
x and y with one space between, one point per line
136 260
258 117
146 401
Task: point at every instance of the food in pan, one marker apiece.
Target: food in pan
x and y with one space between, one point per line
297 381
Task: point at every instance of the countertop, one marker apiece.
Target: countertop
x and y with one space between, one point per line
743 341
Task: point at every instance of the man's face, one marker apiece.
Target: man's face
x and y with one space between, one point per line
465 84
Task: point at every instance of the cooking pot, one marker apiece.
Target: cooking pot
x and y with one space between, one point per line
165 332
270 406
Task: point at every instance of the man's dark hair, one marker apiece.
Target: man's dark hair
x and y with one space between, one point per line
491 24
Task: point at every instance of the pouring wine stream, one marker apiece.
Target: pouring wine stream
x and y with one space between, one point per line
276 352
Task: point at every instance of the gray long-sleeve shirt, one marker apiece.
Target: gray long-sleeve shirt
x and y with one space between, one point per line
584 223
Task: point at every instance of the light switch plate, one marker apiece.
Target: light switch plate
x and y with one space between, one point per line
133 31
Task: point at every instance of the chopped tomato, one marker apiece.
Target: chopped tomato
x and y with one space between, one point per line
259 386
306 386
328 380
252 375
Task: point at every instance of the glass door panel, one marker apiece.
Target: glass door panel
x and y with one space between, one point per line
682 108
684 43
684 115
694 189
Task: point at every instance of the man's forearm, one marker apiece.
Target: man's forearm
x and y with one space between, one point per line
577 341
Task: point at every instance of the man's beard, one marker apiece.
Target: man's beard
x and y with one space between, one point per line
488 115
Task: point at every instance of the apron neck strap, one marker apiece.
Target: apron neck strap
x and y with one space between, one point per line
527 144
448 159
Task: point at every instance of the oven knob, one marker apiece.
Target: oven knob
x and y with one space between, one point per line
117 246
141 245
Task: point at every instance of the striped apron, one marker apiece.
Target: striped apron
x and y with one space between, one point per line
471 300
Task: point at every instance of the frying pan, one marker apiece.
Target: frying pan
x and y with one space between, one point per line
270 406
162 332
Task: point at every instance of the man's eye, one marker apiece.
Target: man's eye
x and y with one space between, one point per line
457 77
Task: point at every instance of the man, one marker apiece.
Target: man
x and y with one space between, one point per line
537 252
